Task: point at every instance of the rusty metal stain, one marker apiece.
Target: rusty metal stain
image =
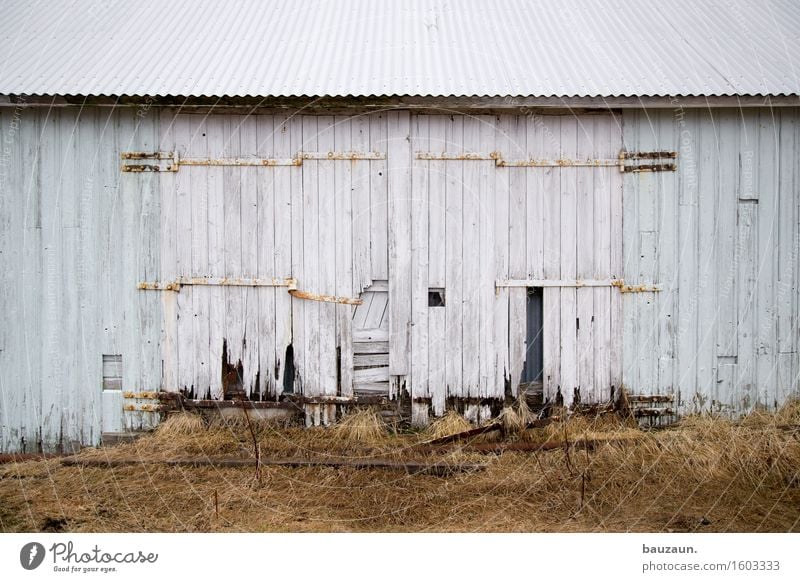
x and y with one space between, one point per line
648 155
137 168
559 163
141 395
325 298
455 156
156 286
142 408
147 155
241 162
348 155
650 168
623 288
176 285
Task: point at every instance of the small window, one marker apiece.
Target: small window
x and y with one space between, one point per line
435 297
112 371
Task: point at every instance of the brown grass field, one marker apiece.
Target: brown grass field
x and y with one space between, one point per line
706 475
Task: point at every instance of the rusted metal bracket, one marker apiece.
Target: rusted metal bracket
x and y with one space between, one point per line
500 162
158 157
289 282
619 162
656 167
324 298
175 161
618 283
154 404
639 288
558 163
176 285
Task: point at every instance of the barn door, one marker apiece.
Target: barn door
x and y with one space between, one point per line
518 220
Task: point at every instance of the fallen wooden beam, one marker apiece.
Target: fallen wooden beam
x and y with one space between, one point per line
439 468
526 446
473 432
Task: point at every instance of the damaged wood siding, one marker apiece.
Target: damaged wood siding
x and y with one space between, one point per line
720 236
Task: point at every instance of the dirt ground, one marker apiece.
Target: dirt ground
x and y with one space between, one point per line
707 475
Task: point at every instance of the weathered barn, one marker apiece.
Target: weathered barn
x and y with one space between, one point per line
435 203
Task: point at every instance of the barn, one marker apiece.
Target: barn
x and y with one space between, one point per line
427 205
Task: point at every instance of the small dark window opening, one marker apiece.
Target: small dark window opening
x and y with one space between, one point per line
435 297
534 337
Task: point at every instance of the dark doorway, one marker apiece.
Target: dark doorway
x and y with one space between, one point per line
534 338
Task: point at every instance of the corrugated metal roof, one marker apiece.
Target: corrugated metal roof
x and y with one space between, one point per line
419 47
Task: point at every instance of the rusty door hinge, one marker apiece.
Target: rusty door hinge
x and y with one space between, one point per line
171 161
636 166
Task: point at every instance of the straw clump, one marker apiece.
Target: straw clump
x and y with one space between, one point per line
449 424
362 425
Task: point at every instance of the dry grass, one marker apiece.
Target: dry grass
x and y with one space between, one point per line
709 474
451 423
362 425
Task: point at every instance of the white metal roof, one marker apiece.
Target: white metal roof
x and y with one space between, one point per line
597 48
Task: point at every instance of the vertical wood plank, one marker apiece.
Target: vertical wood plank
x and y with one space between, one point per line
283 178
27 179
327 231
295 125
379 197
706 252
185 299
636 137
232 204
743 399
169 268
551 127
254 234
517 251
687 262
666 257
52 373
399 166
569 356
310 242
486 279
201 308
343 210
437 188
216 253
454 204
604 144
585 263
419 262
771 152
470 251
362 258
615 189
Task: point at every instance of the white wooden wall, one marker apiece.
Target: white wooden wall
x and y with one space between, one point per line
721 237
76 235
